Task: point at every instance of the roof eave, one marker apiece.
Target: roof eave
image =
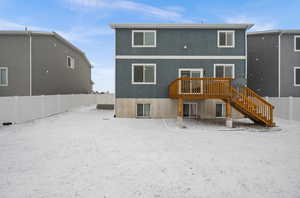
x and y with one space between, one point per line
179 26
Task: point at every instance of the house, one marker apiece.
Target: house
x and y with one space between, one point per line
183 70
41 63
274 62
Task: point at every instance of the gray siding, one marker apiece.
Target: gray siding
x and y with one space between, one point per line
171 42
50 74
50 54
14 54
166 72
289 59
263 64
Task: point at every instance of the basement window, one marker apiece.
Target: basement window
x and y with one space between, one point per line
297 43
296 76
3 76
143 110
70 62
226 39
220 110
143 74
143 38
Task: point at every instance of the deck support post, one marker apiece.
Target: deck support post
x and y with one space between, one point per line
180 113
229 121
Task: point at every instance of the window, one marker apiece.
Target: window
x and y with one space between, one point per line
143 38
224 70
143 110
297 43
143 74
3 76
296 76
226 39
220 110
70 62
190 110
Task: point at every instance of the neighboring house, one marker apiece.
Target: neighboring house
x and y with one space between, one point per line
41 63
274 62
151 58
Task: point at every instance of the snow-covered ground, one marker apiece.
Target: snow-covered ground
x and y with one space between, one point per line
88 153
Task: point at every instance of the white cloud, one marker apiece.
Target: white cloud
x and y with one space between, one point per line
78 34
170 13
260 24
9 25
83 34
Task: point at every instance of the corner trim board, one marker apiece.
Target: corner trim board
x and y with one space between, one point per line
179 57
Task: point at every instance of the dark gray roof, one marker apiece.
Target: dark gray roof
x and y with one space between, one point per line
295 31
189 25
54 34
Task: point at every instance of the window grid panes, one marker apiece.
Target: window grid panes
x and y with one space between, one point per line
143 110
297 43
70 62
224 71
226 39
3 76
297 76
220 110
144 74
144 39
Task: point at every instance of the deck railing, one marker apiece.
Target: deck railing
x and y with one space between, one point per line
200 87
246 100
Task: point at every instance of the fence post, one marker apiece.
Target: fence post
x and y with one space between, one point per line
291 108
43 105
16 109
58 103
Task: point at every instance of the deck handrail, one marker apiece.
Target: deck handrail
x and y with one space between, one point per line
220 88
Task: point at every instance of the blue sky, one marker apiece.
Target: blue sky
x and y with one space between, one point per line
85 22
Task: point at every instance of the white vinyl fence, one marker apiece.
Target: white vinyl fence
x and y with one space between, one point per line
25 108
286 107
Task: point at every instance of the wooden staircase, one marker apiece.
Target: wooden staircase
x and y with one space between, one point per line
242 99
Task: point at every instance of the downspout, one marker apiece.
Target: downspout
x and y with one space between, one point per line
30 64
279 63
246 61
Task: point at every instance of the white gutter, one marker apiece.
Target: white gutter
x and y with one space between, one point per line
30 64
279 63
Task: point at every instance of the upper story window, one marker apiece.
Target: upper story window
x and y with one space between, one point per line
297 43
224 70
296 76
226 39
70 62
3 76
143 74
143 38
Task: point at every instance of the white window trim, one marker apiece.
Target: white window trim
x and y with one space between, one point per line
223 110
191 69
225 65
132 38
296 85
6 84
136 113
72 62
296 36
233 38
191 103
143 83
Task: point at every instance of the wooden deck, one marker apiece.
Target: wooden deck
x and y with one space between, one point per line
243 99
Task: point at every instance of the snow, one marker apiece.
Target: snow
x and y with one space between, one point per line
87 153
